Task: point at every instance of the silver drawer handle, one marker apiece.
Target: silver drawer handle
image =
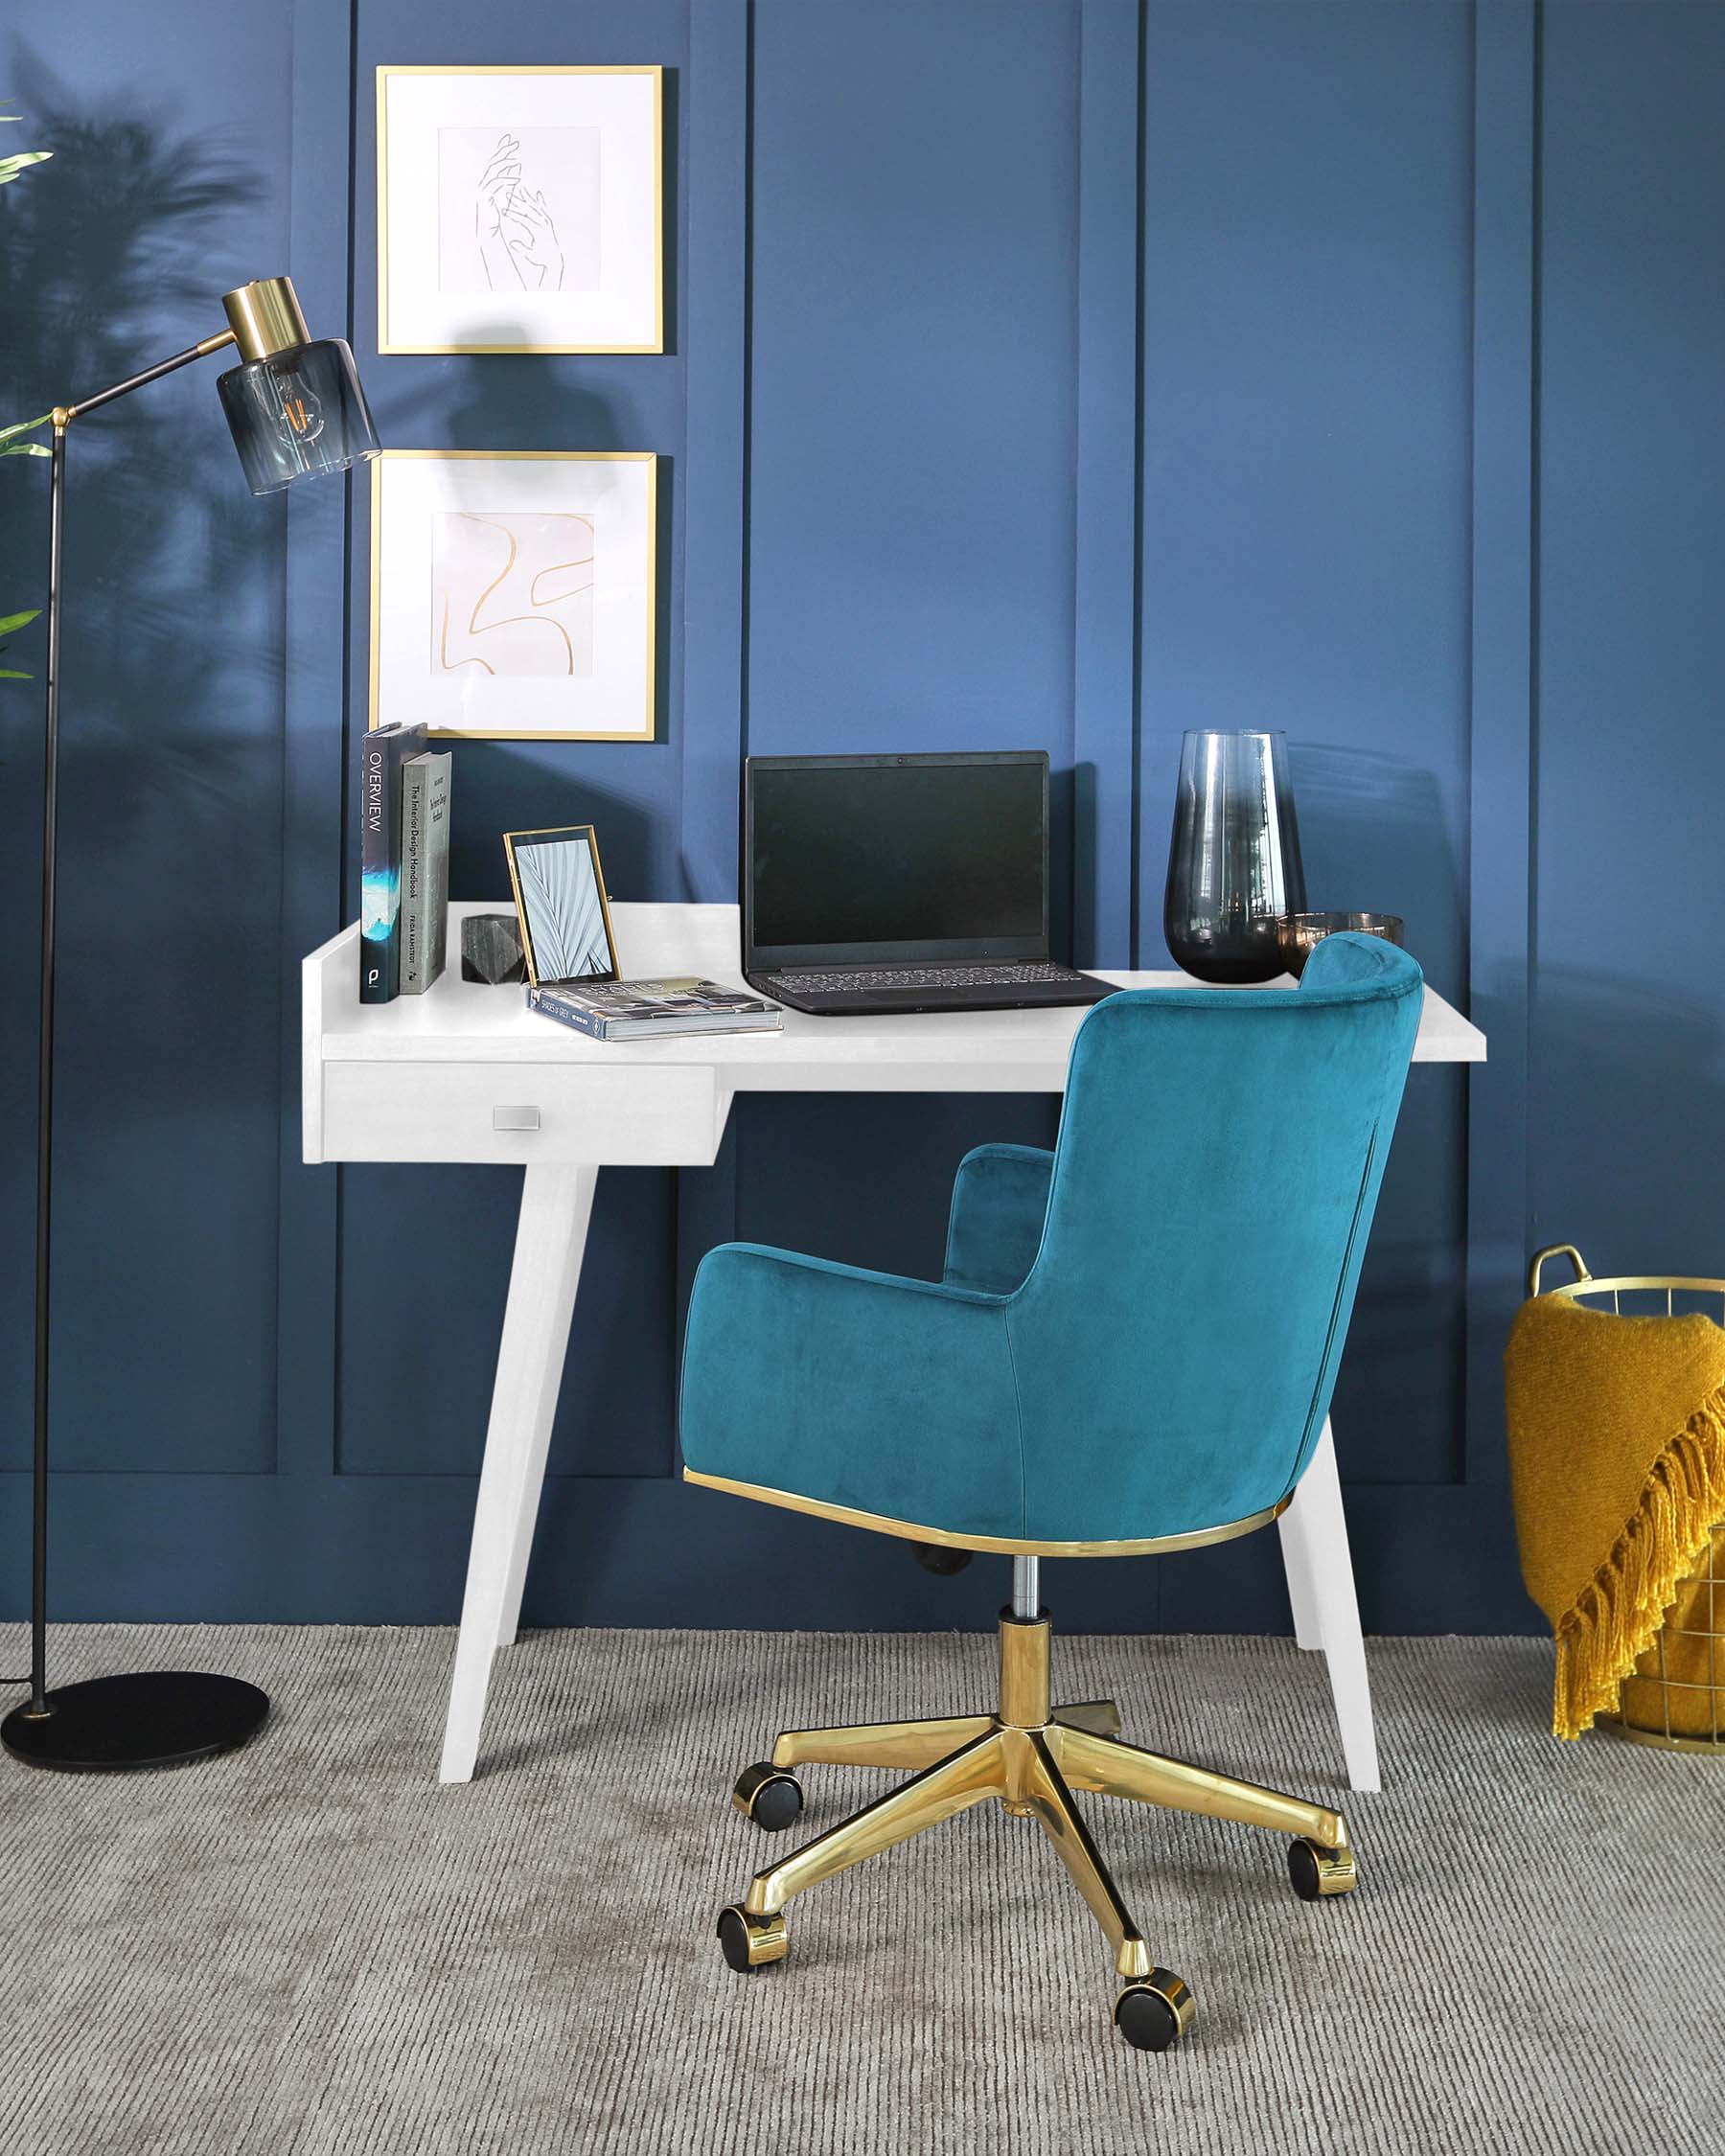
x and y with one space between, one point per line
515 1118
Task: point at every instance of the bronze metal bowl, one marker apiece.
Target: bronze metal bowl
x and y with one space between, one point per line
1299 934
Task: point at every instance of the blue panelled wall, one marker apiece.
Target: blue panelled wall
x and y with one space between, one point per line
1039 372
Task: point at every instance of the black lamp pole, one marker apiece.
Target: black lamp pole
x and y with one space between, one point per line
295 408
44 1225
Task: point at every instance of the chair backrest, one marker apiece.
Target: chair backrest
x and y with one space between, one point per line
1177 1339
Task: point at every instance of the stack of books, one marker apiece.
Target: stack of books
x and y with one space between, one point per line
623 1010
404 864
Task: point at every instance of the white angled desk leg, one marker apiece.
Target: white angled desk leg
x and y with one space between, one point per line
556 1205
1326 1610
579 1203
1293 1526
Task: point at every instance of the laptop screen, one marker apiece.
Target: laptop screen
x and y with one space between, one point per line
888 857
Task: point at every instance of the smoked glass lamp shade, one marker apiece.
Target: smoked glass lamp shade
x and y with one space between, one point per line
298 412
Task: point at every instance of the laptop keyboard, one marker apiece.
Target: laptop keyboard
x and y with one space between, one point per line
1015 975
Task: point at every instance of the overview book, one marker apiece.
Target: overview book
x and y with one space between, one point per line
425 869
383 753
632 1010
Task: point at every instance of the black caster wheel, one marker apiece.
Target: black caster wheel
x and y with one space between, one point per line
1318 1873
769 1795
1155 2012
934 1557
749 1942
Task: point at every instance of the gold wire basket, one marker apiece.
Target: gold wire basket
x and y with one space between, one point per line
1676 1698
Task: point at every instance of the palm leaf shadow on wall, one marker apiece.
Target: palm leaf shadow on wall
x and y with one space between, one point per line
170 784
118 262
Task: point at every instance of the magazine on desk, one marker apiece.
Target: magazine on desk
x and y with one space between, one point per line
632 1010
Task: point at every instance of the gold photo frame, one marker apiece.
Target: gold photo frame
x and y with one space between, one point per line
563 261
561 904
433 512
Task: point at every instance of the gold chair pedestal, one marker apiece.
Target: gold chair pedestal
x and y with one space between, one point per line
1032 1756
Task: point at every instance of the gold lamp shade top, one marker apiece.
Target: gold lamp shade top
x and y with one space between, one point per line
266 317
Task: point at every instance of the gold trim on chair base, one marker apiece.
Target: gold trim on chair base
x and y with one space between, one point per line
996 1546
1631 1732
1031 1757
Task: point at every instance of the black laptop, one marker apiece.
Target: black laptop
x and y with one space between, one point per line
901 883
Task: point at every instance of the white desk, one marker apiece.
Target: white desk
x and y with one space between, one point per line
466 1073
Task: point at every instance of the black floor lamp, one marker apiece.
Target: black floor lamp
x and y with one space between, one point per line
297 408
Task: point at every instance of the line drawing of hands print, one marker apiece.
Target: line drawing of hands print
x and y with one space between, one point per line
519 212
518 239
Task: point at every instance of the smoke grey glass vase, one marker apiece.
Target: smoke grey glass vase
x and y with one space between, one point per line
1234 865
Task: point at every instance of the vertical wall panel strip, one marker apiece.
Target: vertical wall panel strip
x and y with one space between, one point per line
1506 135
1105 607
319 187
717 336
1627 1020
717 92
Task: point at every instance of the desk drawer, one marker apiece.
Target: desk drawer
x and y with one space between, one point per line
635 1116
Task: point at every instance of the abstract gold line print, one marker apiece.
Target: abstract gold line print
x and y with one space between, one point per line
539 583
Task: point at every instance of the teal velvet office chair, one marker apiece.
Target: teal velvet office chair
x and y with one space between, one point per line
1132 1349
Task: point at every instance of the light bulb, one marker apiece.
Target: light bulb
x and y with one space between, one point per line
301 407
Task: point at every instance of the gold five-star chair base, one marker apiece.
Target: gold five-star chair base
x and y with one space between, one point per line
1032 1756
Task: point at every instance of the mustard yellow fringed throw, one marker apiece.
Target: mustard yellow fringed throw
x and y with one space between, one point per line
1617 1461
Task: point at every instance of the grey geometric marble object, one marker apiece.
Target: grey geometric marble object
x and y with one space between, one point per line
490 948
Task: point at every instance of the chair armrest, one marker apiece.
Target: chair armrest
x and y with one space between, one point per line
852 1389
1000 1202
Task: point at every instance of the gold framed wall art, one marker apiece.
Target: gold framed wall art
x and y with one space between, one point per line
521 209
513 593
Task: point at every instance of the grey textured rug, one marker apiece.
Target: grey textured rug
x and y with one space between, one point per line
309 1949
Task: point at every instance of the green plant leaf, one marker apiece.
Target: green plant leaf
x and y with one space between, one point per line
11 622
26 450
11 167
12 674
24 426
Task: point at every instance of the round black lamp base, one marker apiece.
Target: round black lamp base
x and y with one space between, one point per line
161 1718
